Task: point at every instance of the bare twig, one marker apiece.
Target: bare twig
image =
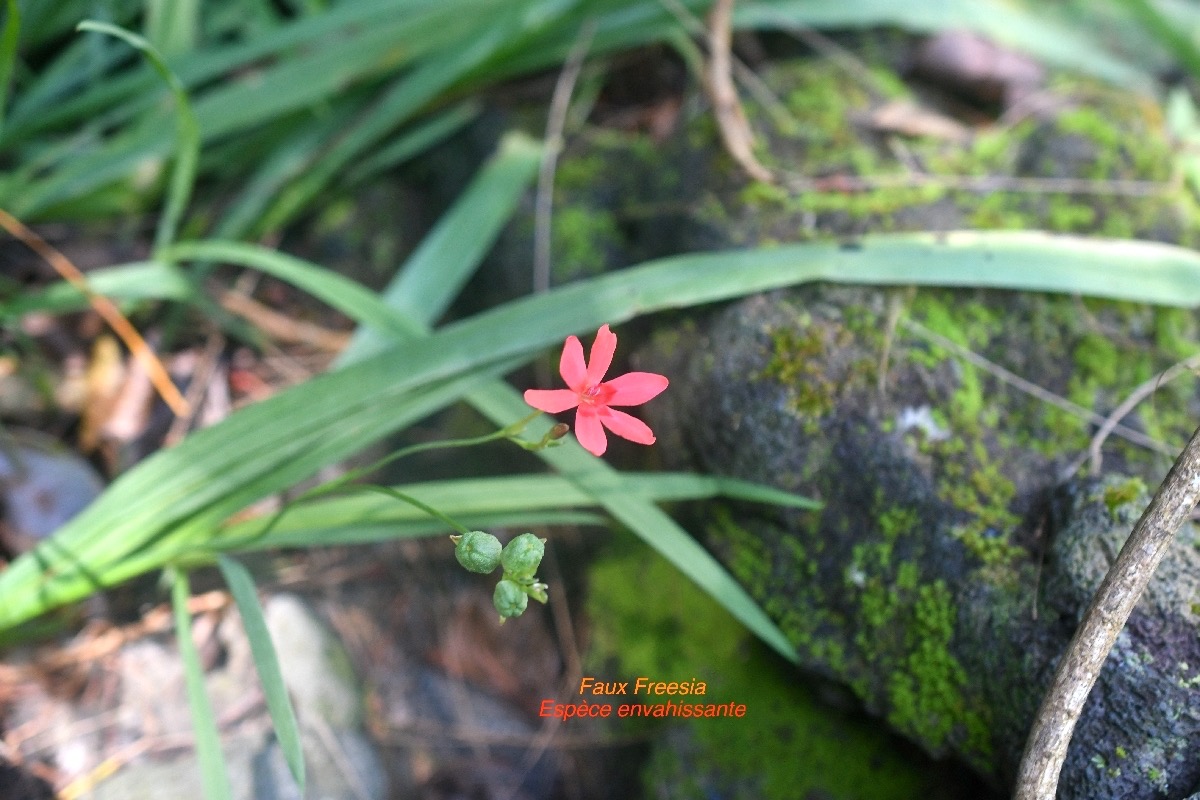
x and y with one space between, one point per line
556 121
1032 389
842 57
198 389
281 326
731 120
1046 748
1136 396
105 308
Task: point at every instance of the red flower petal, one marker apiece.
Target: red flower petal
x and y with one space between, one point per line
571 366
602 355
551 401
589 432
634 388
625 426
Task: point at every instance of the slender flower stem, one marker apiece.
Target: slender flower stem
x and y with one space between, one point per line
412 501
1046 747
340 483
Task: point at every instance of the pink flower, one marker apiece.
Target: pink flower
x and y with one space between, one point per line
595 398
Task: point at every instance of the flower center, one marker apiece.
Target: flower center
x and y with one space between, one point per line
595 395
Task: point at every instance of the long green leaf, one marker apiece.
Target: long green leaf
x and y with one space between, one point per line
478 497
356 302
140 281
420 137
195 516
1181 42
366 531
318 57
449 254
8 53
1036 34
213 775
294 433
187 139
241 586
395 106
173 25
294 84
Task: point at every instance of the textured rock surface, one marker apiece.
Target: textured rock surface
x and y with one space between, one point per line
951 563
957 547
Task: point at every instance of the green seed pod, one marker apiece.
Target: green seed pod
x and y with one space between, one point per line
477 551
522 556
509 600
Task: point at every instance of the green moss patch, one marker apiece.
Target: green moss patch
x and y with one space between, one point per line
649 620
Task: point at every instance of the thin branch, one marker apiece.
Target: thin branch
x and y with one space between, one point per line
1046 748
731 120
1136 396
282 327
1032 389
556 121
842 57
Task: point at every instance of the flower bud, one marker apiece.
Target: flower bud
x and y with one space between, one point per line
477 551
509 599
559 431
522 556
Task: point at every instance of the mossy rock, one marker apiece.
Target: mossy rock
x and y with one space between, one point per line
792 741
959 541
954 556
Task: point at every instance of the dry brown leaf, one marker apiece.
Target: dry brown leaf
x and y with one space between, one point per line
105 376
909 119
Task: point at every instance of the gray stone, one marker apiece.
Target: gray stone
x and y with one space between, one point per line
315 666
945 574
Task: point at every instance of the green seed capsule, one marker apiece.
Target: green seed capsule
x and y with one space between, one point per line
509 600
522 556
477 551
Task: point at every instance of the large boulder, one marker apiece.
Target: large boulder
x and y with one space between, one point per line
962 534
953 558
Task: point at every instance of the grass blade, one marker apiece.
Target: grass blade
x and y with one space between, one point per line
275 443
241 586
8 53
173 26
213 775
140 281
187 144
447 257
398 104
341 293
416 140
371 532
1181 43
60 571
478 498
